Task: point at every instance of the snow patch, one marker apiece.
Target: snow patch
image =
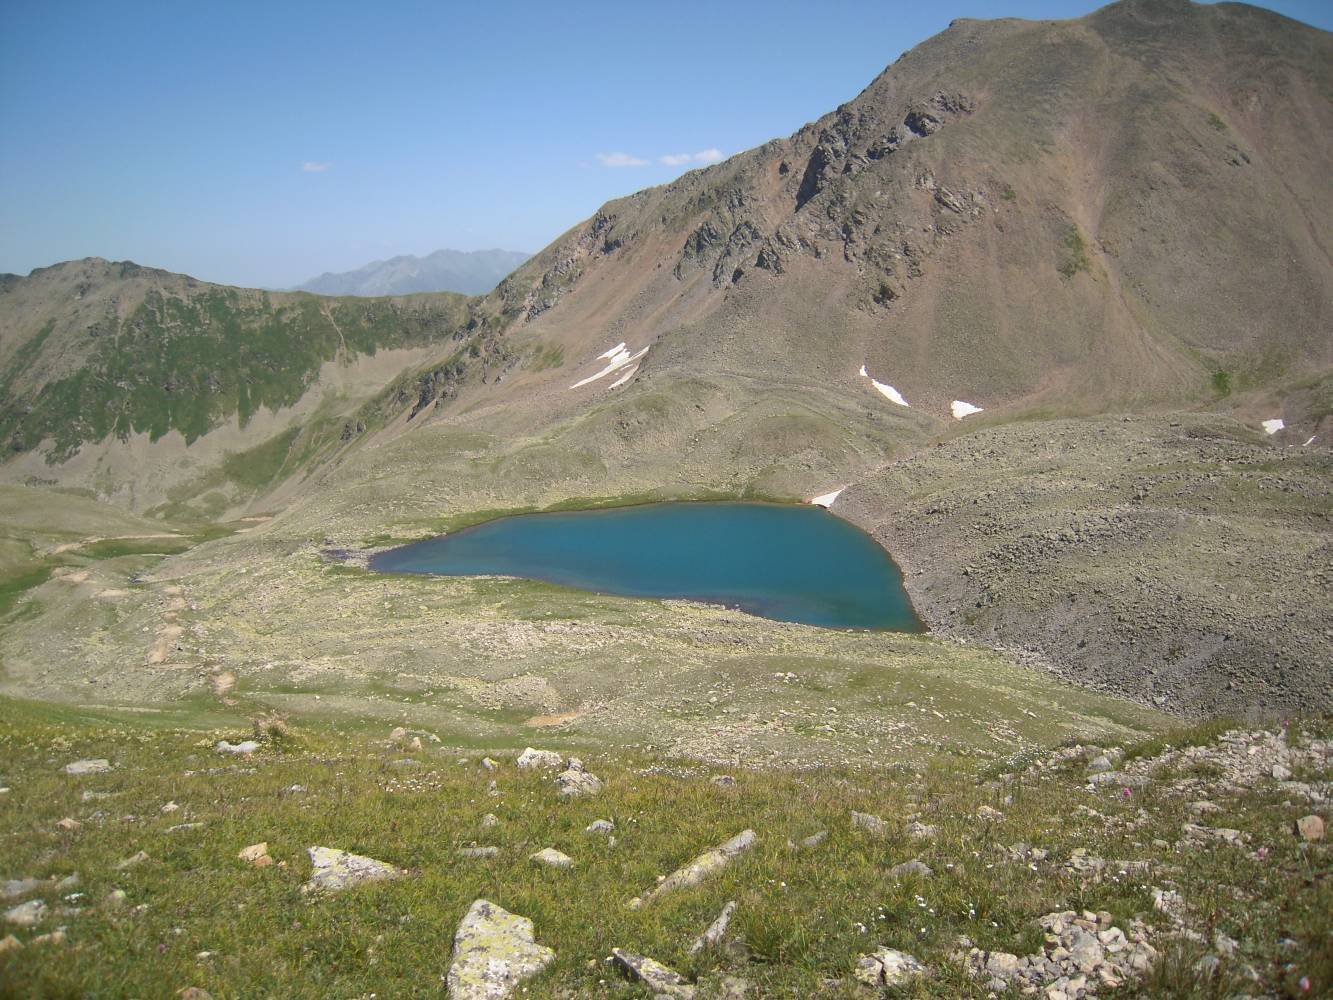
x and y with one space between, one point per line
886 390
623 378
890 392
1310 442
961 409
825 500
1273 426
616 358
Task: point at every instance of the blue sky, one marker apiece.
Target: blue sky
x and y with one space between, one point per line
263 143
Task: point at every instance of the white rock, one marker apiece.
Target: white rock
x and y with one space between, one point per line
552 858
243 748
599 826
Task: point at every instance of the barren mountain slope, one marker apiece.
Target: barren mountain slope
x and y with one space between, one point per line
1126 210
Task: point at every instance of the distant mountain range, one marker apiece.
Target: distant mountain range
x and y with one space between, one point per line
471 273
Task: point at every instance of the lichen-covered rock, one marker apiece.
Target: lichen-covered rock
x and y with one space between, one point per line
663 982
705 866
887 967
335 869
539 759
494 952
96 766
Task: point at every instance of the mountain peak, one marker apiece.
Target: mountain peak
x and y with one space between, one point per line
468 272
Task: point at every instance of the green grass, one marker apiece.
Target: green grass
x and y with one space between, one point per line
1222 383
14 586
1076 256
803 916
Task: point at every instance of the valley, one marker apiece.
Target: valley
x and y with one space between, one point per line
1043 314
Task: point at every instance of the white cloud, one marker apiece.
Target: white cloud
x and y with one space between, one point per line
680 159
315 167
620 160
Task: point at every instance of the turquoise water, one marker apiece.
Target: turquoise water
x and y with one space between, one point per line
791 563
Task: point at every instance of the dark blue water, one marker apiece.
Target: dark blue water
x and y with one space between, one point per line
791 563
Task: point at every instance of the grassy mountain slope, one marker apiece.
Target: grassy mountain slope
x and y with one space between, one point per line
102 361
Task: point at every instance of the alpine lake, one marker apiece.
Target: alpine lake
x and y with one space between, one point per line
795 563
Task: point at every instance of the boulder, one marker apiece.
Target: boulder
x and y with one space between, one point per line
335 869
1310 828
575 781
870 823
494 952
552 858
16 887
539 759
599 826
28 914
912 867
705 866
95 766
